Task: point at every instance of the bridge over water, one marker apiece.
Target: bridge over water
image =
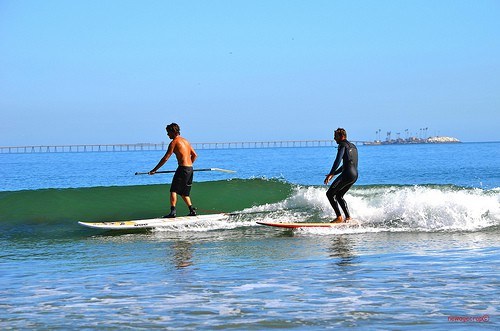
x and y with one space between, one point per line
163 146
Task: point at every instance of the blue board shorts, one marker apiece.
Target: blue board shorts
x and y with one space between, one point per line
182 181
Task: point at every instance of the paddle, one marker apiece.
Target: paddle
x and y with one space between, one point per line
172 171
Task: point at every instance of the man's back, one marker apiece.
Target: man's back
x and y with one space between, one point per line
352 154
183 151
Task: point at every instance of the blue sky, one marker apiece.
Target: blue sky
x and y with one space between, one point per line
106 71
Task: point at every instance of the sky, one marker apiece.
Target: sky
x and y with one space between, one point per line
117 71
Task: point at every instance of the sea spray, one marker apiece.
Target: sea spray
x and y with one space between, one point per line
397 207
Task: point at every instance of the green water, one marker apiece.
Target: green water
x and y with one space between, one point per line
55 206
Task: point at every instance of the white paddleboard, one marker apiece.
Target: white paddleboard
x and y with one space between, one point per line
151 223
350 223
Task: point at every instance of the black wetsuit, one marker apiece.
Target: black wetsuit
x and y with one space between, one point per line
348 154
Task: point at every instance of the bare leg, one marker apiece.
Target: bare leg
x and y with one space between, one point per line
173 202
187 200
173 199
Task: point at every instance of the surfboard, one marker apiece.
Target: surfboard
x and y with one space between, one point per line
299 225
150 223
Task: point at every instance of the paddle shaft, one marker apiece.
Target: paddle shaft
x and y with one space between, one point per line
172 171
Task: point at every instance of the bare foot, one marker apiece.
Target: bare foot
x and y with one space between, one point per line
338 220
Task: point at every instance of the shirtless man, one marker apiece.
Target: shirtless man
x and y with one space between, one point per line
347 154
183 177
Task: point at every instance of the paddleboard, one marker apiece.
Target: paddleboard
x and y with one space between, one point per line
150 223
311 225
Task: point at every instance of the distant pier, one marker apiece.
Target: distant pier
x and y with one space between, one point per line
213 145
163 146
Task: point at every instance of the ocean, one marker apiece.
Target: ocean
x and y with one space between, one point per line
425 257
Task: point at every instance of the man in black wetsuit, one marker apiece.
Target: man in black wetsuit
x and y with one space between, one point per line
348 154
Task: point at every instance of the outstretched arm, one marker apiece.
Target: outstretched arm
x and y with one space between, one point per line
164 159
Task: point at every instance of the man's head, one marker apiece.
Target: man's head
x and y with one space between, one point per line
173 130
339 135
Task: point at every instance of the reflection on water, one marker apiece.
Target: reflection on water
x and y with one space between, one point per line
183 254
342 248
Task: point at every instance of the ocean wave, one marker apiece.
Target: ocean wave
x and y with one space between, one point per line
56 206
377 207
398 207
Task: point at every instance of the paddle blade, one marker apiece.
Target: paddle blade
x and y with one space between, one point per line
223 170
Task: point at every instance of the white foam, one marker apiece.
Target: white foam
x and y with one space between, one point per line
430 208
203 226
393 208
379 208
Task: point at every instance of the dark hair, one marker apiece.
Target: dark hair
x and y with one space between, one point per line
341 132
174 128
